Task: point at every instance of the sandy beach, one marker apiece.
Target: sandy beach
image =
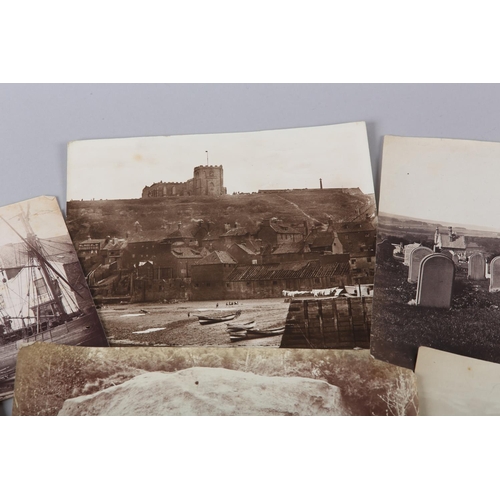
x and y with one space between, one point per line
154 324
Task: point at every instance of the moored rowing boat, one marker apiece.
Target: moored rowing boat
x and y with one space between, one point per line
205 319
256 333
235 327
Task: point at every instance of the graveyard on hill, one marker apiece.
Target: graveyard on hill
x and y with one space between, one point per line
469 327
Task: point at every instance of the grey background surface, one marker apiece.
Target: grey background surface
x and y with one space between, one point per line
37 121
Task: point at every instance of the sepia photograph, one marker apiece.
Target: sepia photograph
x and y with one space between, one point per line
449 384
43 293
438 250
71 381
239 239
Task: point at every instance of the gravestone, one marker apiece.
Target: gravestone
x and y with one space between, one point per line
385 251
416 257
495 275
408 251
448 253
476 268
435 281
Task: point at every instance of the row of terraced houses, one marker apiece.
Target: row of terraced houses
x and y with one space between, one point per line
190 262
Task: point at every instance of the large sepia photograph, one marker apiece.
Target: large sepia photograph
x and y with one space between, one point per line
71 381
258 239
43 294
438 250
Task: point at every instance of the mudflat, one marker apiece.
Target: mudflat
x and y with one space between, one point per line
156 324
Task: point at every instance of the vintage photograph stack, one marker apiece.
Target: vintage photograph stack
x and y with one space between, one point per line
256 274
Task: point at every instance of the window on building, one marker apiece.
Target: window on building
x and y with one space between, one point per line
368 259
353 261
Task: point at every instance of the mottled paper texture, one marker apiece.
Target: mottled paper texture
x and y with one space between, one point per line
65 380
449 384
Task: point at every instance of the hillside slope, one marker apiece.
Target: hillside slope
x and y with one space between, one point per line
103 218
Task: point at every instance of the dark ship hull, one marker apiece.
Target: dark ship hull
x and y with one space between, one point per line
84 330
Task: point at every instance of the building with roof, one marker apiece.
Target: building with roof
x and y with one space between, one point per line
273 233
90 246
449 241
355 237
233 235
244 254
238 282
113 252
182 234
207 181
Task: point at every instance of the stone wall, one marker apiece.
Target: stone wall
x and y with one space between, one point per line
342 323
206 181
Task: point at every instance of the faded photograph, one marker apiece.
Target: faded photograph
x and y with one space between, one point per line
438 248
449 384
43 294
258 238
63 380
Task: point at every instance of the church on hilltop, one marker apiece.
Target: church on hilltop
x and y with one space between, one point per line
207 181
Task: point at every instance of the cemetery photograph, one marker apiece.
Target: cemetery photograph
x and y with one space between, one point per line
437 272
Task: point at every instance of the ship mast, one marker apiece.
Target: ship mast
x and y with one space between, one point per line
35 252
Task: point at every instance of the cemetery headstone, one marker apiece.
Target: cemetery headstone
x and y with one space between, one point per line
476 267
435 281
408 250
416 257
495 275
448 254
385 251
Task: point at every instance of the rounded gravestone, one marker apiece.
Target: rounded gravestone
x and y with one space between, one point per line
447 253
407 252
476 267
385 251
495 275
435 281
416 256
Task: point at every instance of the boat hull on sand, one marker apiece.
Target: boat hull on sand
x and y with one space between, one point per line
256 333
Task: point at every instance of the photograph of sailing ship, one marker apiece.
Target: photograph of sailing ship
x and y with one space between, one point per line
43 293
174 247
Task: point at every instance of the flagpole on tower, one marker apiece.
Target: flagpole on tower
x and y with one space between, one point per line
207 157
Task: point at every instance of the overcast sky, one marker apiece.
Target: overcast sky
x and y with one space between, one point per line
276 159
45 218
446 180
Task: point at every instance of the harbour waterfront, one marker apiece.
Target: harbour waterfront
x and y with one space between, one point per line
156 324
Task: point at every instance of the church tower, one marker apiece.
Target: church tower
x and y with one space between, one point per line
208 181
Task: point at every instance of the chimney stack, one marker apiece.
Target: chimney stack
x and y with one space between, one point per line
321 183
